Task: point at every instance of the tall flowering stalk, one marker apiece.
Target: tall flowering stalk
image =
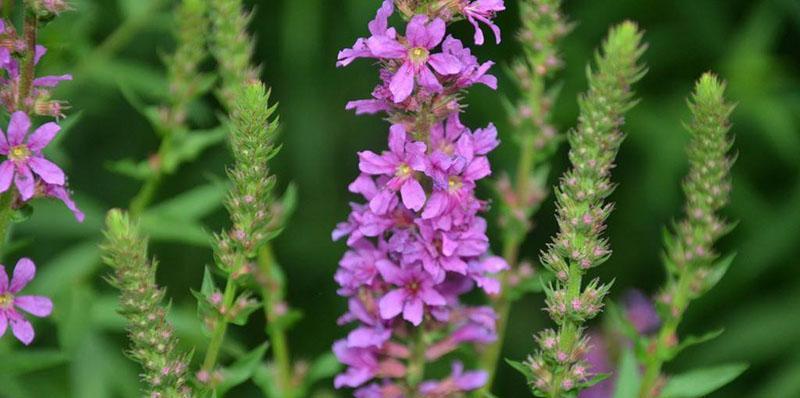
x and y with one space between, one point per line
253 133
558 368
153 341
418 243
543 26
232 48
25 173
693 266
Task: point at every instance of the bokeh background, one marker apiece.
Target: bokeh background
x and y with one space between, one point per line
114 46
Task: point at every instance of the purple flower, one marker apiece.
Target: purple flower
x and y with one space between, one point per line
400 163
378 27
458 382
24 156
472 71
10 302
641 312
415 290
61 193
483 11
416 58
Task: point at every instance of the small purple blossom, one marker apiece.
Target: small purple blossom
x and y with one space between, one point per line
415 57
11 302
24 156
414 291
483 11
458 382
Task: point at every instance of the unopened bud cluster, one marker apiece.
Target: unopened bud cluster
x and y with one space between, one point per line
581 214
154 344
253 144
232 48
707 187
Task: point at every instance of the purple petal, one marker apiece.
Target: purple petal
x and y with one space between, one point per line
416 33
413 195
374 164
3 143
390 272
380 24
39 53
18 127
436 205
6 175
48 170
51 81
368 337
412 311
23 179
42 136
24 272
435 32
478 32
22 329
386 47
402 83
392 303
445 64
382 202
61 193
472 380
3 323
428 80
477 169
397 138
34 305
431 297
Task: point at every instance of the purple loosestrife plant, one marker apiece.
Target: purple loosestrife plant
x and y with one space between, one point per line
418 243
25 174
558 368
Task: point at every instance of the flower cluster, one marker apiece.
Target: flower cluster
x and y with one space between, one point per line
418 243
24 96
11 302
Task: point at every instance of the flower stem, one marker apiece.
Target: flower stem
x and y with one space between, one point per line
29 60
416 365
218 335
277 335
6 216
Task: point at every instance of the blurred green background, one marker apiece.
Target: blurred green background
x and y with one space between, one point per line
113 44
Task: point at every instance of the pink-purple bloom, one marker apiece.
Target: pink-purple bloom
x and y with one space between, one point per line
24 156
11 303
483 11
417 242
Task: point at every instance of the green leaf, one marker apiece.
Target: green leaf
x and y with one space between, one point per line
171 230
191 205
629 379
264 379
242 370
324 367
68 268
521 367
699 383
138 170
695 340
717 271
187 146
151 113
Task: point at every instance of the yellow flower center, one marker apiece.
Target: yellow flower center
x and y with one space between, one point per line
403 170
418 55
19 152
6 300
454 183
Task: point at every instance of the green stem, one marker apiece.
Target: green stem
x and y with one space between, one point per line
416 365
511 246
502 305
218 335
6 218
665 338
277 335
29 60
8 8
146 194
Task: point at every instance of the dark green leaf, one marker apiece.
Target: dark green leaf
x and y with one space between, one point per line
628 377
242 370
699 383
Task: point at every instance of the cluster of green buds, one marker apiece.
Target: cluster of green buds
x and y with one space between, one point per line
48 9
232 47
153 340
558 368
693 266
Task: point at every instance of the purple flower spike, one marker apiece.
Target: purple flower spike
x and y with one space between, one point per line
421 37
483 11
25 157
417 243
10 302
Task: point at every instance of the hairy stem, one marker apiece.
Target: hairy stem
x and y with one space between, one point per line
277 335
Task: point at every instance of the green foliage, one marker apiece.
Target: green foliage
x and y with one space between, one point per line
701 382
